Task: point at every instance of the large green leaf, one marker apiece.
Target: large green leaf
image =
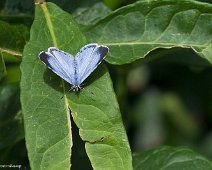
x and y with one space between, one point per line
134 30
46 114
97 115
169 158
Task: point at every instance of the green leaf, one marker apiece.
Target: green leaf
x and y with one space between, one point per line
46 115
12 41
169 158
179 115
17 7
90 14
2 67
134 30
97 115
16 154
19 11
12 130
11 124
84 12
13 74
115 4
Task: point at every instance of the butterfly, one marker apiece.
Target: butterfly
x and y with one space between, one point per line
76 69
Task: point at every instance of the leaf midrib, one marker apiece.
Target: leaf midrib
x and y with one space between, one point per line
49 23
53 36
54 40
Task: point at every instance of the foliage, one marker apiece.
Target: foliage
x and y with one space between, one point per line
160 66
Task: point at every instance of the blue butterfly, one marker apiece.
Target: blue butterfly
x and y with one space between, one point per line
76 69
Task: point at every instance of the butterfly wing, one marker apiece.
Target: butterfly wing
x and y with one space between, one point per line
61 63
89 57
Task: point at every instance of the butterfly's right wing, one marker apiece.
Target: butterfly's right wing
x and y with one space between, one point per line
60 62
89 57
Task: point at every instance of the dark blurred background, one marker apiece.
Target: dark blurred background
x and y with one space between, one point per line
165 99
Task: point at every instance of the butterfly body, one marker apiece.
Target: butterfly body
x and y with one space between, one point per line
76 69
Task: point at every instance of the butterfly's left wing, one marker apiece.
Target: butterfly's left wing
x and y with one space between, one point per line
89 57
61 63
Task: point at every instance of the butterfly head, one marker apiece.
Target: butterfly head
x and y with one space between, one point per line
76 88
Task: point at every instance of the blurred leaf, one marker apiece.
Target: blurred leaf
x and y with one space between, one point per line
206 145
84 12
15 154
72 6
13 74
46 115
90 14
114 4
12 40
12 131
17 6
147 118
169 158
179 115
208 1
18 11
2 67
11 125
134 30
137 78
9 96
